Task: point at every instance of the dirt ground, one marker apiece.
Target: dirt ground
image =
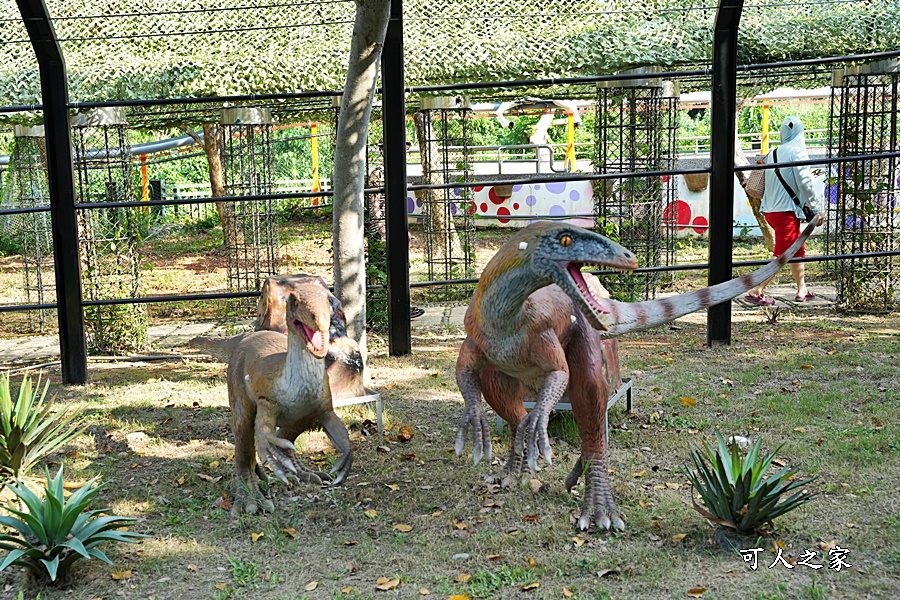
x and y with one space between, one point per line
413 520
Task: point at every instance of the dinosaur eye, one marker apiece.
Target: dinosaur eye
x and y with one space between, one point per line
566 240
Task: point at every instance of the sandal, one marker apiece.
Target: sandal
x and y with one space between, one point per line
808 296
415 311
759 300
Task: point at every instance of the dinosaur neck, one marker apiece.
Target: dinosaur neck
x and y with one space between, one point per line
501 294
300 364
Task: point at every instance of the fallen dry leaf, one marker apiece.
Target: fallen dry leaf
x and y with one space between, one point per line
800 429
567 592
828 546
192 567
311 586
696 592
458 525
437 513
463 577
578 541
405 434
495 556
371 513
255 536
347 590
121 575
221 586
530 518
642 504
387 584
392 486
530 586
403 527
290 531
460 597
423 591
604 572
688 401
678 537
351 543
806 367
214 464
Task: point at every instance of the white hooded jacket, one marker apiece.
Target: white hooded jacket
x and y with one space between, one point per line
799 178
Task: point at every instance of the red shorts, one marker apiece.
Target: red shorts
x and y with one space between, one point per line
787 230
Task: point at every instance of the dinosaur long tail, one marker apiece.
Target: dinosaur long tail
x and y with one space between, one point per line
217 347
634 316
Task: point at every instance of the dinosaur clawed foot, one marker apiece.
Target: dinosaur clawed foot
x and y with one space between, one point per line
481 443
248 499
340 469
597 507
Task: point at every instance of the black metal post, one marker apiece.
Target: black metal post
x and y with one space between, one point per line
393 104
60 172
721 185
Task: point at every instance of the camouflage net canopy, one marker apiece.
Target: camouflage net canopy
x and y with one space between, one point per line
148 49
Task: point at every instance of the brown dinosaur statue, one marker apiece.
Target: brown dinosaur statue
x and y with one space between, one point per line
277 389
535 330
343 363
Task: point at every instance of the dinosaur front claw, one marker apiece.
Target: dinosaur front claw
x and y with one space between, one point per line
531 433
481 432
281 456
341 468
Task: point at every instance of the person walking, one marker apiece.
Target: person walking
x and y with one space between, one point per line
780 209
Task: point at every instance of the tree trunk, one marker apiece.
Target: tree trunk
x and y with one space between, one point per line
348 224
441 239
212 142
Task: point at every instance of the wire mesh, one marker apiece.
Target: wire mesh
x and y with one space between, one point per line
250 226
31 233
109 237
635 131
862 196
448 226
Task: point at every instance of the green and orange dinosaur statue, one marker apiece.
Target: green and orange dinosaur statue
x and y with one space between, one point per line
536 330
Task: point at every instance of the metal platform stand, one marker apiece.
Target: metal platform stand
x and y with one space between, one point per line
376 398
625 390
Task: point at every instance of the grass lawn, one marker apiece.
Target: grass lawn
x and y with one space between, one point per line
821 386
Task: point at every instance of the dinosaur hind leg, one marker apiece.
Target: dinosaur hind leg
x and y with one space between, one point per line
506 396
598 506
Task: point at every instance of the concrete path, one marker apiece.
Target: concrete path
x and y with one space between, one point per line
169 338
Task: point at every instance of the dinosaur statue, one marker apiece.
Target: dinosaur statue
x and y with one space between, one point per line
279 381
534 325
343 363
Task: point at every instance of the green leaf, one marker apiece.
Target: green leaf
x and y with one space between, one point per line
12 557
52 566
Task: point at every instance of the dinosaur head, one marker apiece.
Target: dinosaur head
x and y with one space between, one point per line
308 314
559 253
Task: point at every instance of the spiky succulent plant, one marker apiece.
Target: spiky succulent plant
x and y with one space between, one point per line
54 532
735 490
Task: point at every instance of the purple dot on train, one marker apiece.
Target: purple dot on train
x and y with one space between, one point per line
556 187
530 200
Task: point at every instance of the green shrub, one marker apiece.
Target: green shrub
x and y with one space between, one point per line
55 532
734 488
30 430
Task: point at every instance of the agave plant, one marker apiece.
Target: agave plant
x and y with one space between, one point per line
30 429
735 490
55 532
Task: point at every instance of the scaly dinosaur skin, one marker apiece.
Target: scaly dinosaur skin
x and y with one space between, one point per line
529 338
277 389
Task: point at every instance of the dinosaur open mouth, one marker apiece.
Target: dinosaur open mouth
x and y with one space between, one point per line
574 269
316 339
